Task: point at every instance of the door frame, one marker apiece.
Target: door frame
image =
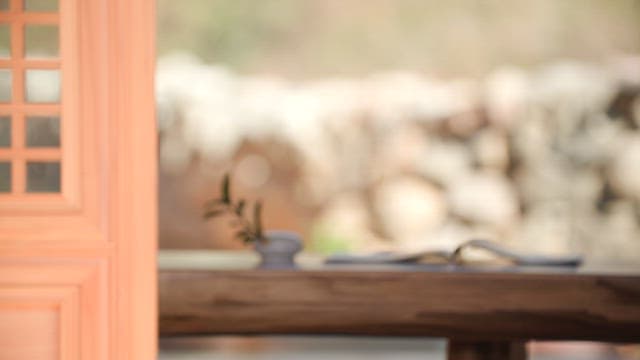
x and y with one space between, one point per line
130 32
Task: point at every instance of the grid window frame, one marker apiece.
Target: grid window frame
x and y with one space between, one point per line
18 108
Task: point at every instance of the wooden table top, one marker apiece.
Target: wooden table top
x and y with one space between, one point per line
207 292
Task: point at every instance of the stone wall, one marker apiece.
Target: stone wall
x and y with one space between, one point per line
544 159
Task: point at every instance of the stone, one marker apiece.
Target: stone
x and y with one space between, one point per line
398 151
572 87
203 100
491 149
547 228
346 219
409 208
624 172
486 198
507 92
444 162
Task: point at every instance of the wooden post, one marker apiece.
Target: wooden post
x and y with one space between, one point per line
486 350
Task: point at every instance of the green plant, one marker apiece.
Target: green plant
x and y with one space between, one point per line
249 230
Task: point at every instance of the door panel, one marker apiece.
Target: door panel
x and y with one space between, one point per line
78 193
19 324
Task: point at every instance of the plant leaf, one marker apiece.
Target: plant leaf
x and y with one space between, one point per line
248 239
245 236
257 219
212 213
240 207
213 203
226 189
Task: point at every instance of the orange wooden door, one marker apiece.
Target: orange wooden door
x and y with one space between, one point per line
77 180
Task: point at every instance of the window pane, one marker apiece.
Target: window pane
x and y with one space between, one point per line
41 5
5 41
43 177
42 86
5 176
5 131
43 131
41 41
5 85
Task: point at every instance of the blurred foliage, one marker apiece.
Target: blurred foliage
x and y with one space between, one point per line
326 241
314 38
249 230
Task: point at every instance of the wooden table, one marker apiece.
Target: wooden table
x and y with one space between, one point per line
486 313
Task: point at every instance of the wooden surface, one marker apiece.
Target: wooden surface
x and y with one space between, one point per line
465 350
465 304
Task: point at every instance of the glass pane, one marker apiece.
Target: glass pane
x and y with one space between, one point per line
43 177
5 41
5 131
43 131
4 5
41 5
5 85
42 86
41 41
5 176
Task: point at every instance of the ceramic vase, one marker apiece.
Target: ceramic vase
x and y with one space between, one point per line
279 249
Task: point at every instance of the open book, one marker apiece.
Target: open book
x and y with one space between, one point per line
456 256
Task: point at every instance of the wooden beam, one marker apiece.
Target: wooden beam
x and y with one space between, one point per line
505 350
462 305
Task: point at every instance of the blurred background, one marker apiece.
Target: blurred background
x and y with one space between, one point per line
372 125
368 124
